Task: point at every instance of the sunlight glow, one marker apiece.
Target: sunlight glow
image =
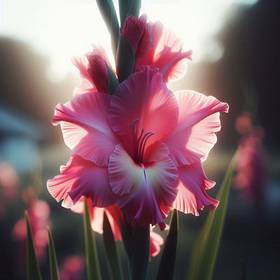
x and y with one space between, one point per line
66 28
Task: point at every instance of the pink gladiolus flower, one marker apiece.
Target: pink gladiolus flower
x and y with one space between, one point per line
155 46
140 149
39 212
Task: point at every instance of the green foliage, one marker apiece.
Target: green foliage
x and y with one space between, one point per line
206 247
92 263
33 271
167 262
109 15
111 250
137 244
125 59
54 275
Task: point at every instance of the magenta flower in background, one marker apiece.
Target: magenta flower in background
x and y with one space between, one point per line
72 268
8 186
251 163
140 149
39 212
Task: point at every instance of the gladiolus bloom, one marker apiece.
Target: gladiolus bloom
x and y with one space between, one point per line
140 149
155 46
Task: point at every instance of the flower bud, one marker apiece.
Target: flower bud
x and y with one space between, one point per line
98 71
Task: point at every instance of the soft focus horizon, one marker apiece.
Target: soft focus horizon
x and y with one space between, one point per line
196 23
236 59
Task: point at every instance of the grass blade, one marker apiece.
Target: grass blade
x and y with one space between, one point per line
167 262
111 250
54 275
206 247
93 270
33 271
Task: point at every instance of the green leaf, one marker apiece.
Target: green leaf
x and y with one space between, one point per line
129 8
125 59
137 244
113 81
93 270
111 250
167 262
52 258
108 12
206 247
33 271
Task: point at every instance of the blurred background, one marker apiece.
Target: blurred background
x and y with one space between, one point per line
236 50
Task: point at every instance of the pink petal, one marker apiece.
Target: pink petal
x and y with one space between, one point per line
97 216
155 242
98 70
198 122
143 99
85 128
81 178
191 196
135 31
94 72
146 193
164 52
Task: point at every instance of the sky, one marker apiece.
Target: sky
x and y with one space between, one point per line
62 29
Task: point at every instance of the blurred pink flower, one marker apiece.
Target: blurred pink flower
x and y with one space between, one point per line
39 212
243 123
8 181
250 166
140 149
72 268
8 186
155 46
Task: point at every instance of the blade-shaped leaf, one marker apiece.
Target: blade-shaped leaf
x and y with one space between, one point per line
129 8
108 12
93 270
167 262
137 244
111 250
125 59
54 275
33 271
206 247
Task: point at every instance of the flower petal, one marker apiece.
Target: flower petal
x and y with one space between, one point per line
191 196
163 52
97 216
155 242
85 128
81 178
145 99
199 120
146 193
